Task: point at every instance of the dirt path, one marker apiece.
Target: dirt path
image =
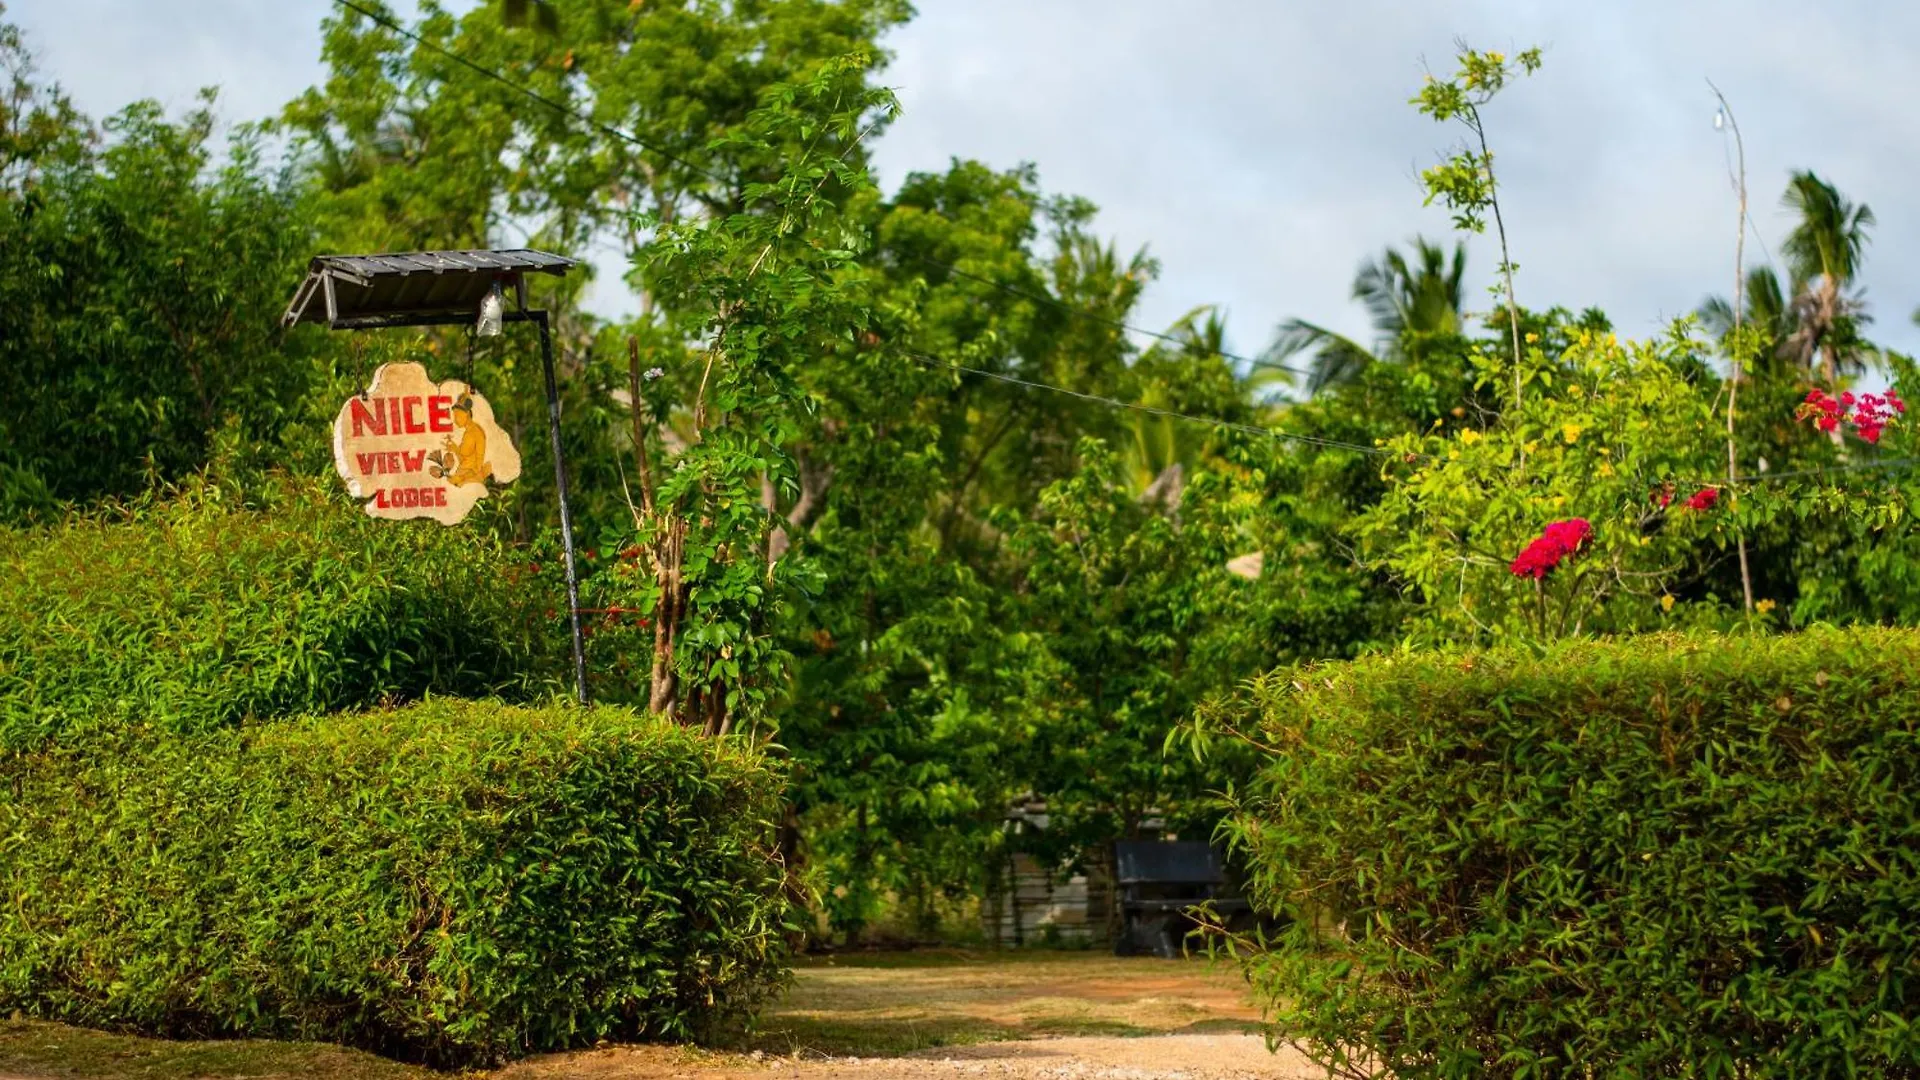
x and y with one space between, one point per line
947 1015
1156 1057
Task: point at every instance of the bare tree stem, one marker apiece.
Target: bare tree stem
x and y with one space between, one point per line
1506 269
1739 314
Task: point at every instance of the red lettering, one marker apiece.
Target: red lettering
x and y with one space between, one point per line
415 459
414 425
393 415
440 413
366 462
365 418
407 498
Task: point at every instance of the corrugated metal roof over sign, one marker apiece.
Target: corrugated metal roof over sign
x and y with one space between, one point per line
358 291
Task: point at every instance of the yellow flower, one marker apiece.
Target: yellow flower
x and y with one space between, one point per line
1571 433
1763 606
1666 602
1533 338
1469 436
1606 468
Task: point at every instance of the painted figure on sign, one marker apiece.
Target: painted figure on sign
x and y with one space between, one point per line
466 462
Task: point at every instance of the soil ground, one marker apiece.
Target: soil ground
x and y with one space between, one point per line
946 1015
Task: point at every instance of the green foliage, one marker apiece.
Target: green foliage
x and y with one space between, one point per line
1464 182
203 610
756 296
1609 432
1119 592
458 882
141 290
1670 856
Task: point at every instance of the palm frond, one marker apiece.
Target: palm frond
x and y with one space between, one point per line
1830 237
1336 357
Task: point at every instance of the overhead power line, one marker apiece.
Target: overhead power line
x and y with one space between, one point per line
1151 410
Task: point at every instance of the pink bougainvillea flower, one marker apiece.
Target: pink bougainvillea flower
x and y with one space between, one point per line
1555 543
1703 499
1869 414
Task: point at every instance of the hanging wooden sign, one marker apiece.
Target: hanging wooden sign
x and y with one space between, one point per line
414 448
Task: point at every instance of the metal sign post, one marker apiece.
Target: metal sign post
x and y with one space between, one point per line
449 288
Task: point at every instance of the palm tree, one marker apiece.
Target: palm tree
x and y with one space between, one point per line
1406 302
1824 254
1767 307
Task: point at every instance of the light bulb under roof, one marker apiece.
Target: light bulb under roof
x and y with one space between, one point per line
492 307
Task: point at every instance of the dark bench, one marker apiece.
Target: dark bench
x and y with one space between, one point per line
1159 883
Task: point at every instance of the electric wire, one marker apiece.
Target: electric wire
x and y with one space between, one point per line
1153 410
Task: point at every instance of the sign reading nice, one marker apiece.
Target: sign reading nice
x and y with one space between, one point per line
413 448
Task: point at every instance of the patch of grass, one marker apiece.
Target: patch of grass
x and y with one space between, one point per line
59 1052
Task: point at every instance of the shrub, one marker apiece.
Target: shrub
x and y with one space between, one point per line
453 882
1671 856
194 613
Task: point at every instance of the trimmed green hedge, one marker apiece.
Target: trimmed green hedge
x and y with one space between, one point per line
452 882
192 613
1671 856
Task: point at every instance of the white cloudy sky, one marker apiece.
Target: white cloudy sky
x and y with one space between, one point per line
1262 148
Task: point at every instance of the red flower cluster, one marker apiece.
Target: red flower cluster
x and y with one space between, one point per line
1868 413
1559 540
1703 499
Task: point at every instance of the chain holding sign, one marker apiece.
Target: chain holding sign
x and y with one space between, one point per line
413 448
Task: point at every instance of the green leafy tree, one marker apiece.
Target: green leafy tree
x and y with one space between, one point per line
424 136
1465 181
141 292
1117 590
757 295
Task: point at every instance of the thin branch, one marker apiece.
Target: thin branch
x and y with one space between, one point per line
1739 313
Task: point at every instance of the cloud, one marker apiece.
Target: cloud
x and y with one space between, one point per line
1262 150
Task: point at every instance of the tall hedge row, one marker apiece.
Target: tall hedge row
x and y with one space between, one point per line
1673 856
454 882
194 613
